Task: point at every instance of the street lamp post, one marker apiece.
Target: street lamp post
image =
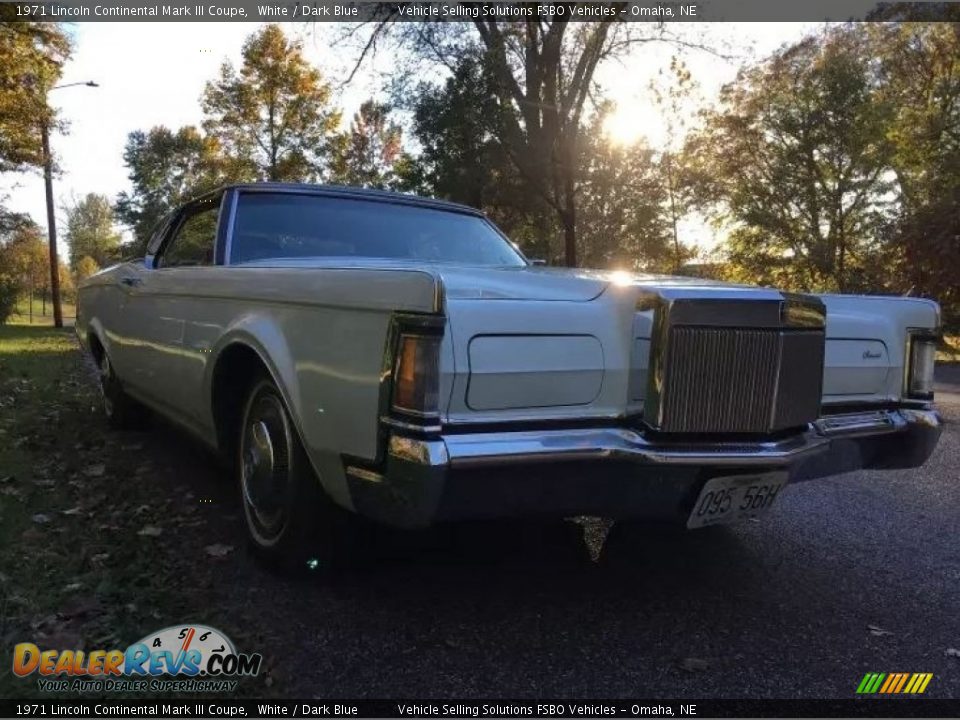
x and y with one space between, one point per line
51 215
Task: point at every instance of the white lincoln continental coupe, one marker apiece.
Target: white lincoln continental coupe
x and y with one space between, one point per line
363 352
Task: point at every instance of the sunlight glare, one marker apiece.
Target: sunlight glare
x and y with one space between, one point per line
634 120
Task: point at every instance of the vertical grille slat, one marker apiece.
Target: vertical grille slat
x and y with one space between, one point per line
740 380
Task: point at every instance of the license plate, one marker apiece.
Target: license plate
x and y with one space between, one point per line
735 497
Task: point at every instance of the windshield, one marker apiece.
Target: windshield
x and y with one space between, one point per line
284 225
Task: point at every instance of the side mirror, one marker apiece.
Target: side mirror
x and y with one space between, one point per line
537 261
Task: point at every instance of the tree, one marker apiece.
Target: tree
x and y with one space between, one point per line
671 97
25 262
166 168
919 77
273 116
90 231
453 123
85 267
462 160
625 221
11 222
12 227
367 154
796 159
543 78
31 58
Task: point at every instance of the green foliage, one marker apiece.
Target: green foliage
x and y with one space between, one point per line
623 197
834 164
624 221
273 117
367 154
9 288
542 81
90 232
462 159
31 58
919 76
454 124
24 265
796 161
166 168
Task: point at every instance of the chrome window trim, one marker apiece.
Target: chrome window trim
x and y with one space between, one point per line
232 197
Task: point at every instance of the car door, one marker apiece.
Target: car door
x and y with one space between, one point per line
161 300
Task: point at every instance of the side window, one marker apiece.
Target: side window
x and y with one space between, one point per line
194 240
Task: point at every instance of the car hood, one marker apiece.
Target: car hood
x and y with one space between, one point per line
543 283
532 282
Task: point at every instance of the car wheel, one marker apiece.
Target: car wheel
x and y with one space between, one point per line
291 522
122 411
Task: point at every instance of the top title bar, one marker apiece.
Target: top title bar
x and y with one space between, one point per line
447 10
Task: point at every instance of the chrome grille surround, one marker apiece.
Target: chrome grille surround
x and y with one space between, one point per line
731 361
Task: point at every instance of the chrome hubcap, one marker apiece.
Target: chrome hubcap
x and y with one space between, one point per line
104 380
263 471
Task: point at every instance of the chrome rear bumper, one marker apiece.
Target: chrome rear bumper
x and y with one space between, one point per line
599 469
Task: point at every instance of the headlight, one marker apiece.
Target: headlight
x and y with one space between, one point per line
921 356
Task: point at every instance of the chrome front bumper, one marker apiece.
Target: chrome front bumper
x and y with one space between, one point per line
616 470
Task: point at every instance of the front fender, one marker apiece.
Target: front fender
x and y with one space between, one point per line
263 334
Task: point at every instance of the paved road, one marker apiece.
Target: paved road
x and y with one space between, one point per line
845 576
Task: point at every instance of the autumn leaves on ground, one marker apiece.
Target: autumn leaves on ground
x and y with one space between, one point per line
91 551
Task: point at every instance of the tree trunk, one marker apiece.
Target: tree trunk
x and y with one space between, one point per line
569 217
842 266
568 171
842 249
673 215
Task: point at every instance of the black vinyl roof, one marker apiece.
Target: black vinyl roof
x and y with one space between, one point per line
345 191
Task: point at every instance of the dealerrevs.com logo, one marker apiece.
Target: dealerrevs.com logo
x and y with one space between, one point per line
196 657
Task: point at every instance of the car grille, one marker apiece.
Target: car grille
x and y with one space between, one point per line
739 380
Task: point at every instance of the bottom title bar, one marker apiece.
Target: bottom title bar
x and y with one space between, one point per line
477 708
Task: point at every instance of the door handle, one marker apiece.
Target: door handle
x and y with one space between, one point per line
131 281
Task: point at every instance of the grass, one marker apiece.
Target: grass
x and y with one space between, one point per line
71 570
43 566
83 564
42 316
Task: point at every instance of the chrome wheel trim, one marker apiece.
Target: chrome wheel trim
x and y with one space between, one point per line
106 374
265 479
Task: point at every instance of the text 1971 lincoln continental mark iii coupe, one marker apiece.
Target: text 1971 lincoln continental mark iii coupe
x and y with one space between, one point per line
363 352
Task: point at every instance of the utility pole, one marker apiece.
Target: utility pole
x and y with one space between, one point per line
51 214
51 223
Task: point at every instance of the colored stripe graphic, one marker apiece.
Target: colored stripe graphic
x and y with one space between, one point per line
900 683
894 683
891 681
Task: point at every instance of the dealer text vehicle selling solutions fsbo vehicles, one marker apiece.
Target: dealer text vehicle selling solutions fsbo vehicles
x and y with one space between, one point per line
364 352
